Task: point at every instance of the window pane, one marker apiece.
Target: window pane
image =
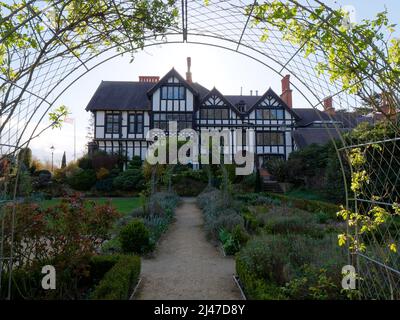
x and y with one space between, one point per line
164 93
139 128
203 113
156 116
218 113
225 114
109 127
279 114
182 93
170 92
116 118
259 114
273 114
259 138
176 93
281 139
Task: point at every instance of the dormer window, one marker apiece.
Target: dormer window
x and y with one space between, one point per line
173 92
241 106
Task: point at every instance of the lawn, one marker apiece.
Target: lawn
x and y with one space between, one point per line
123 205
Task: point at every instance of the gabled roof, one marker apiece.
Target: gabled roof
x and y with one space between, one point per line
172 73
120 95
248 101
304 137
215 91
276 97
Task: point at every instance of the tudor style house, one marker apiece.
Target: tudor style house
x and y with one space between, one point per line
125 111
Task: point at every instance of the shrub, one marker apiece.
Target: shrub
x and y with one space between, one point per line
85 163
308 205
278 168
82 180
105 185
135 163
156 213
99 265
129 180
228 242
269 262
134 237
217 214
102 159
119 282
74 230
102 173
233 241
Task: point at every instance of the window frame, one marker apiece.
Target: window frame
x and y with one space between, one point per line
114 123
168 91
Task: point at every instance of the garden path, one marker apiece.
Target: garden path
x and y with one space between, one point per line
186 265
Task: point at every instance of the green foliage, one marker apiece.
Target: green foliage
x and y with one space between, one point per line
189 182
119 281
156 212
279 169
217 213
99 265
57 116
351 52
82 180
135 163
134 237
25 158
309 205
274 266
74 230
129 180
233 241
85 163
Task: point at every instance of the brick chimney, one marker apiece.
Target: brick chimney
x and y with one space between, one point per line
152 79
189 73
286 91
328 106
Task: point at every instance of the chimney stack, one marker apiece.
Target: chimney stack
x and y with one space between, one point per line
152 79
328 106
189 73
251 92
286 91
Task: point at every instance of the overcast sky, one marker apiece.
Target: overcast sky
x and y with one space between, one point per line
225 70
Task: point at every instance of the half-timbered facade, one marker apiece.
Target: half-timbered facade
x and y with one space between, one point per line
124 112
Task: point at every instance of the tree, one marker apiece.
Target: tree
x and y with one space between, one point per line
63 161
352 52
25 158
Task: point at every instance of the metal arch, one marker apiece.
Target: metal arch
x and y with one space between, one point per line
295 70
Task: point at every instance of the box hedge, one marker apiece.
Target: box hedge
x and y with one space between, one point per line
120 280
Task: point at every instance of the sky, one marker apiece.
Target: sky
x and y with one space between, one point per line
227 71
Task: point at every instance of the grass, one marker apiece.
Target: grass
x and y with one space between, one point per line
123 205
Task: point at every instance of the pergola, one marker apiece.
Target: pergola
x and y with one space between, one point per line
45 71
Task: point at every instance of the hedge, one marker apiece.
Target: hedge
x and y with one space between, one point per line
119 281
314 206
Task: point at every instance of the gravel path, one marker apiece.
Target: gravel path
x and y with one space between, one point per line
186 265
